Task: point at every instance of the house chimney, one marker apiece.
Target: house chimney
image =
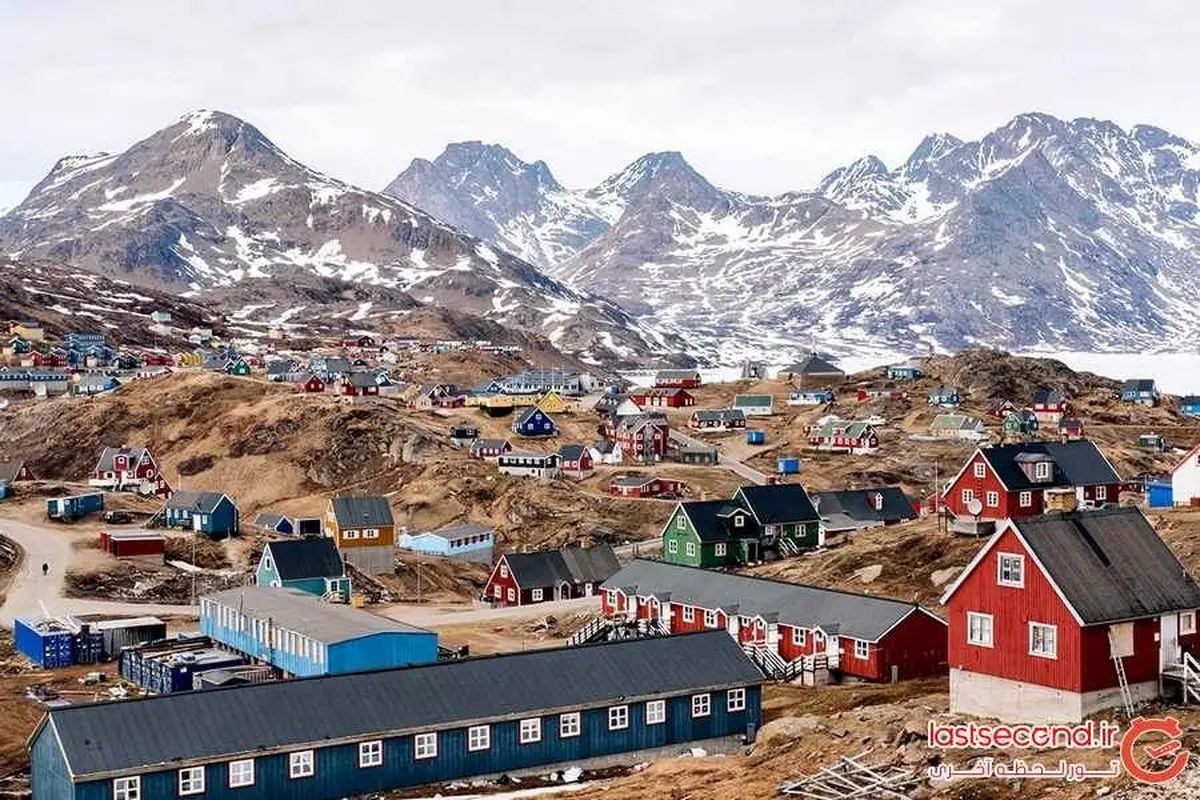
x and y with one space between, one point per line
1062 500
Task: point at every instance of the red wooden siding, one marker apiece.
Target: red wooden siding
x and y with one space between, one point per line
1098 669
510 591
917 647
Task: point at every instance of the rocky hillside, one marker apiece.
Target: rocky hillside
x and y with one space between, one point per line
1045 232
210 202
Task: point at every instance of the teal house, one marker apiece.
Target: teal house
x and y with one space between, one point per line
312 565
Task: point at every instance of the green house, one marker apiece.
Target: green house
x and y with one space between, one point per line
239 367
756 522
312 565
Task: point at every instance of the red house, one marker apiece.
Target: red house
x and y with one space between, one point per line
489 449
1011 480
643 486
677 379
662 398
134 544
1049 406
519 579
129 469
643 437
789 626
576 461
312 385
360 384
47 359
157 360
1048 609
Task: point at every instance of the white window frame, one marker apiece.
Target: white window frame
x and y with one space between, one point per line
690 549
1190 627
862 650
739 521
1026 499
993 499
984 621
239 775
618 718
479 737
1052 652
710 618
127 788
689 614
531 730
1019 582
302 764
719 549
980 470
191 781
968 495
701 705
512 595
498 592
370 754
656 712
735 700
349 535
536 595
799 637
672 546
1041 471
425 746
504 570
568 725
1101 492
680 523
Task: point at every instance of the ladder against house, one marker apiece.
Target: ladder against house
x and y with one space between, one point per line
1122 680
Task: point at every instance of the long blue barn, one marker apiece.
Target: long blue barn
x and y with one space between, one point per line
349 735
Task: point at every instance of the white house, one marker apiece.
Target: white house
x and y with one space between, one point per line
606 452
543 466
1185 478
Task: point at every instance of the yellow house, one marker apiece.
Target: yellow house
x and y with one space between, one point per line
189 359
499 401
28 330
552 403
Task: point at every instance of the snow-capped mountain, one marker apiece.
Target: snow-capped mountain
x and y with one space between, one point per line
210 201
1044 233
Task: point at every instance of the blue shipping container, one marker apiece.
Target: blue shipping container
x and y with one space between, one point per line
3 490
1160 495
756 437
43 643
74 507
788 466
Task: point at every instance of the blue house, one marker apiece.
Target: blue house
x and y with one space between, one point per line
945 397
354 735
1140 391
311 565
302 635
534 422
815 398
275 523
213 513
1190 405
470 542
903 372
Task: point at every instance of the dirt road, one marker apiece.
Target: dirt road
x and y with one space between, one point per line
32 594
724 461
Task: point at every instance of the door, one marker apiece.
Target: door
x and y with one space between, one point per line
587 590
564 592
1120 640
1168 640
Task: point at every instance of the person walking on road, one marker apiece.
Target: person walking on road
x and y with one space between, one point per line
45 570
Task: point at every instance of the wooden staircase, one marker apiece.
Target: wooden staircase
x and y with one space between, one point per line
1187 672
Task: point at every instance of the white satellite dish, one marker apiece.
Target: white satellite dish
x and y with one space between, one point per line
974 507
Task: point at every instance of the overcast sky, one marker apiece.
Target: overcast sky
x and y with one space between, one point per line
760 96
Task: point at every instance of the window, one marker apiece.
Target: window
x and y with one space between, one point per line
191 781
701 705
267 562
504 570
127 788
1043 640
798 637
568 725
689 614
980 470
862 650
348 535
1011 570
610 598
531 731
425 746
498 592
512 595
1101 492
537 595
672 546
979 629
370 754
1026 499
681 523
691 549
719 549
371 534
739 521
656 712
1041 470
618 718
967 495
300 765
710 619
993 499
1187 622
479 737
735 700
878 502
241 773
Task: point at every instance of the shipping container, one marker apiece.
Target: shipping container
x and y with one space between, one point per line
74 507
117 634
46 643
3 490
233 676
789 465
756 437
